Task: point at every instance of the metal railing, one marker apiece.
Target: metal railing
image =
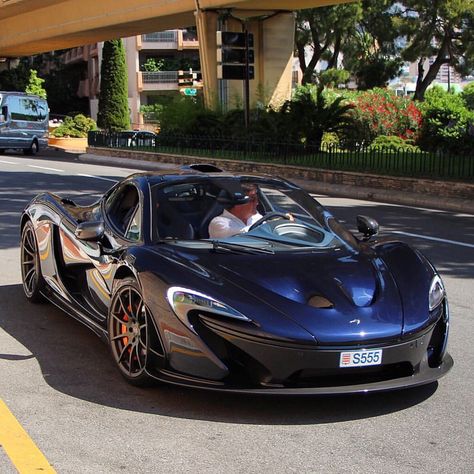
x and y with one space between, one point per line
160 77
355 157
161 37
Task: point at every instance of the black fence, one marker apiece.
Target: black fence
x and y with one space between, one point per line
350 157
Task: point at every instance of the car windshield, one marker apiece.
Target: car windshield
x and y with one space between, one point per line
261 213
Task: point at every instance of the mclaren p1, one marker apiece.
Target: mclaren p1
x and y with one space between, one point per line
295 304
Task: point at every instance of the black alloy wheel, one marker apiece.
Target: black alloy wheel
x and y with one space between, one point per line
30 265
128 328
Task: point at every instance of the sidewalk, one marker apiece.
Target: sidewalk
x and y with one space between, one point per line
465 206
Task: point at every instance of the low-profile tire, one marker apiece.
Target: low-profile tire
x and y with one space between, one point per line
31 276
33 150
128 327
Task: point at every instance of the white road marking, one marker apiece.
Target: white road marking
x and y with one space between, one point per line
7 162
436 239
46 168
96 177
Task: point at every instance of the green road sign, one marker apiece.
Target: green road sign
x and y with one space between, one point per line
190 91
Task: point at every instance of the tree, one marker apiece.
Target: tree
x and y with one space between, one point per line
35 85
372 51
62 84
113 113
15 79
322 31
441 31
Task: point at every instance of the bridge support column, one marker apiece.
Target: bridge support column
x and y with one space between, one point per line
206 24
273 48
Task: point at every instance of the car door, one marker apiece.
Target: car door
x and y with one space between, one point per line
91 265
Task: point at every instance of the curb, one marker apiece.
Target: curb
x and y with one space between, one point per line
465 206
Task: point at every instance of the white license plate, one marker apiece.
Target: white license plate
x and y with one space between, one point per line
360 358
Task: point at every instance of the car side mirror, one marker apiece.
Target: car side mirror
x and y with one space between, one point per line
89 231
367 226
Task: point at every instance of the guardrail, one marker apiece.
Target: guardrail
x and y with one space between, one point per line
353 157
160 77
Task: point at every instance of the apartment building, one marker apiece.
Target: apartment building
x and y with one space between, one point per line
153 62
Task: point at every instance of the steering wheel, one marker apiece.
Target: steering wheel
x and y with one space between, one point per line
268 217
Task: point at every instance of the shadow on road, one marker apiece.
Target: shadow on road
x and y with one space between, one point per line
75 362
18 188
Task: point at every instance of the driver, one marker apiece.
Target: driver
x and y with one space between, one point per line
238 218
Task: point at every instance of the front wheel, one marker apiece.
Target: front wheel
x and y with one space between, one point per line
128 330
30 265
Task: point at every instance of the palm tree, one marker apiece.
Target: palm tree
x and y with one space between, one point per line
309 115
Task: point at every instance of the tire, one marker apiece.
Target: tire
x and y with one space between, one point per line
31 276
2 151
128 332
33 150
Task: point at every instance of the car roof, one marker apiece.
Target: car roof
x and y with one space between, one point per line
180 174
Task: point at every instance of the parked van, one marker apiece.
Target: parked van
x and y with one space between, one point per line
24 121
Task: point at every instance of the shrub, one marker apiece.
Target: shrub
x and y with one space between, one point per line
153 65
75 127
448 124
468 95
186 115
310 114
381 112
152 112
392 143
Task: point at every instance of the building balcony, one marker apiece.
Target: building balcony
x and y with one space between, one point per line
75 55
187 40
158 41
157 81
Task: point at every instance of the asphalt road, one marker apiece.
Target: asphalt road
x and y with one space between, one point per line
59 382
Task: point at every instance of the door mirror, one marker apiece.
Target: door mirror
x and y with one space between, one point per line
90 231
367 226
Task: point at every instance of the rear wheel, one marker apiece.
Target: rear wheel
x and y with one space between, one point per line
30 265
128 329
33 150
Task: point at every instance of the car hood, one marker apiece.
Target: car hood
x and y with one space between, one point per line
364 302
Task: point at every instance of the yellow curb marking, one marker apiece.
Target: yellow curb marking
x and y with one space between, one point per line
20 448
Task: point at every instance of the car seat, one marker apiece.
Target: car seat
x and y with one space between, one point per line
170 224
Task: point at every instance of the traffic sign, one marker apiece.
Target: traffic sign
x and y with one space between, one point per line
191 91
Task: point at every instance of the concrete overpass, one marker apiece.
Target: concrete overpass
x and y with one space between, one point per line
33 26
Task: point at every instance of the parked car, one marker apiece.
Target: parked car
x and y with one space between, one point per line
137 138
23 122
298 304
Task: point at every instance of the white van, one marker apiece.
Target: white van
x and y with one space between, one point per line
24 121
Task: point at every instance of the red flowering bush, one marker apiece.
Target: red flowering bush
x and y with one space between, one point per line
381 112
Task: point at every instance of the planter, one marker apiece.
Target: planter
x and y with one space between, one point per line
69 144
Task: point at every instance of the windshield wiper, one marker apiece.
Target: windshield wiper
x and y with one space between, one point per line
218 245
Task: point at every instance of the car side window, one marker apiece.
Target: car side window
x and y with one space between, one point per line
124 211
134 228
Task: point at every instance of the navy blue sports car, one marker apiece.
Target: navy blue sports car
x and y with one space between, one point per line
295 304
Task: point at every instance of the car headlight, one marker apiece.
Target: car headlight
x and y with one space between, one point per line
437 292
183 300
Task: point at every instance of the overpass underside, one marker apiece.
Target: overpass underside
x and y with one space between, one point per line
29 27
